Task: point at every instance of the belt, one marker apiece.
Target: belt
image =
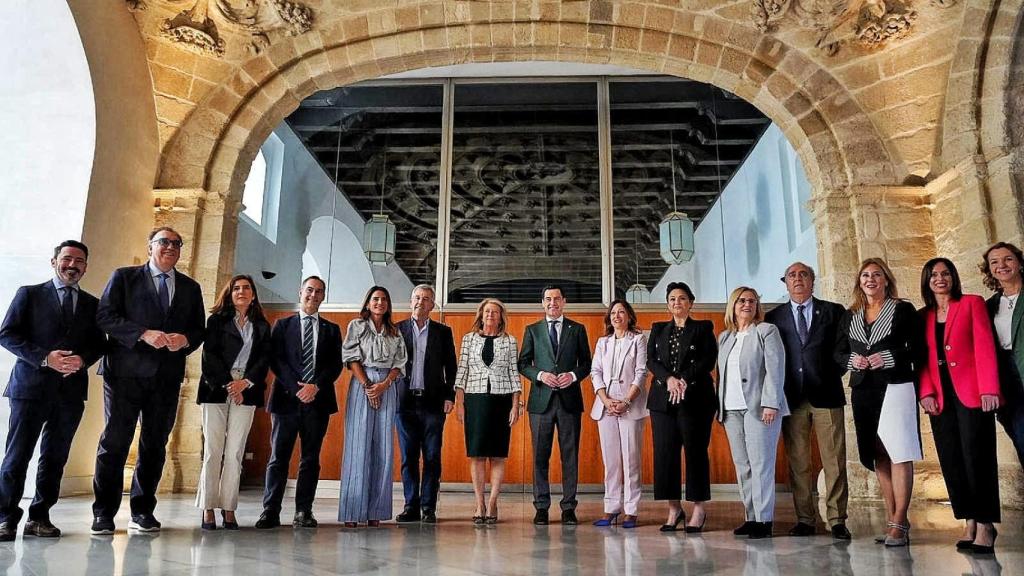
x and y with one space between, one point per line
416 392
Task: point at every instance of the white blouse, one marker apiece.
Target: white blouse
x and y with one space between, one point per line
1004 321
734 398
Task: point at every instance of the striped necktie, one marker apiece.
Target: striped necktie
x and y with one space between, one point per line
308 360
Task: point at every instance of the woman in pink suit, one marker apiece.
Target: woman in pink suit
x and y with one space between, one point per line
959 389
619 371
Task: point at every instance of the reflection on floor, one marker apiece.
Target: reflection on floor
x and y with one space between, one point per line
514 546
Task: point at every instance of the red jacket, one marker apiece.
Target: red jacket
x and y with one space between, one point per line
970 353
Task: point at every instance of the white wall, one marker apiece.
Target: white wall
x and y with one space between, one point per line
308 204
46 147
767 227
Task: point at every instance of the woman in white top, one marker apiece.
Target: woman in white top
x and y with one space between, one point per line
1001 268
487 390
752 371
619 375
375 352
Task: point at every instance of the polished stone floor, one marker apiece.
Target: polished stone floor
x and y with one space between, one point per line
514 546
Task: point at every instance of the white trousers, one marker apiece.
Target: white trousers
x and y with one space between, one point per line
621 446
225 429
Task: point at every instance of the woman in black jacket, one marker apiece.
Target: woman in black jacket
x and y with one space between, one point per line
881 342
681 354
236 357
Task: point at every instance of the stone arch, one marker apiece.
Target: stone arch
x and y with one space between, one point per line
837 143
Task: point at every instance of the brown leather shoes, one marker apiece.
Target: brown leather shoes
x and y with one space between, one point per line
42 529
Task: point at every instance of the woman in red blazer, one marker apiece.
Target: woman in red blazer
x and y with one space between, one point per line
959 389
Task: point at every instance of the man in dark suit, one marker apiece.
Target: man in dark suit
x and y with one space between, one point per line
306 360
154 316
814 392
425 396
556 359
51 328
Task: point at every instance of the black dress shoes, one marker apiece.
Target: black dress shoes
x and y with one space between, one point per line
102 526
760 530
801 529
407 516
841 532
429 517
268 520
569 518
304 519
541 518
8 531
745 528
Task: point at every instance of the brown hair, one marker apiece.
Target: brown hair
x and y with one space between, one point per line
389 326
224 306
630 326
730 310
860 300
478 321
990 281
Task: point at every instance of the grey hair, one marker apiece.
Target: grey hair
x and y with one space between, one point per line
798 263
433 294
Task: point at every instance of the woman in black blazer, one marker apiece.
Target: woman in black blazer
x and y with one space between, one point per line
681 354
881 342
236 357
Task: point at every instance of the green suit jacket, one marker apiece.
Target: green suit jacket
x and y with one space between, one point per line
536 356
1011 389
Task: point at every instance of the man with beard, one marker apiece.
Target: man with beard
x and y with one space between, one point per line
51 328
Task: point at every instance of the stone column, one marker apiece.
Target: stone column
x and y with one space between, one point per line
208 257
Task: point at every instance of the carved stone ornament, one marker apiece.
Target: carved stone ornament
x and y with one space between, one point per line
196 26
869 23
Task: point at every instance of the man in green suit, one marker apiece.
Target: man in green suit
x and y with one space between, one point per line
556 358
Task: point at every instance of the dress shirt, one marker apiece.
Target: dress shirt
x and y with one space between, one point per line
302 330
734 398
559 323
242 360
373 349
808 312
155 273
60 286
419 354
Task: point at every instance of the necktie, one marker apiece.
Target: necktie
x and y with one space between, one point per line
553 336
308 361
164 293
67 306
801 323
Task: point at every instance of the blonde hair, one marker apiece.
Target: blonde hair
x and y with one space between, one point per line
478 321
730 309
860 300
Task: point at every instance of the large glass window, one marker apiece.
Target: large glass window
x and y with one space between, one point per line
525 203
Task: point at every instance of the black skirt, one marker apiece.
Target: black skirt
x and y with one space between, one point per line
487 429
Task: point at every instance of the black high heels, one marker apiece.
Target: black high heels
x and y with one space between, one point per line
681 517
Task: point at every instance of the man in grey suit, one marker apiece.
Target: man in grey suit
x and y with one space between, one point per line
556 358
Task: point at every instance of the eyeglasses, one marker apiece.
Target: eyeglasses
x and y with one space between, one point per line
167 243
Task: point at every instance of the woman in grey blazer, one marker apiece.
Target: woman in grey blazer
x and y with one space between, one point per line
752 369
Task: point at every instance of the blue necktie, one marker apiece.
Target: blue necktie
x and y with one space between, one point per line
308 361
67 306
164 293
553 336
801 323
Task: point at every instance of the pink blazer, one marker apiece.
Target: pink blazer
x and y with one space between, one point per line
633 372
970 353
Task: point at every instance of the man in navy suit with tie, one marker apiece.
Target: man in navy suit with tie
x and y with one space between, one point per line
51 328
306 360
154 317
425 396
814 392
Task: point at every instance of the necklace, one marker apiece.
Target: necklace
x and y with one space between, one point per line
1011 300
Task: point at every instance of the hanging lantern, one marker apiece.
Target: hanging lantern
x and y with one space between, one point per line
638 294
676 238
379 240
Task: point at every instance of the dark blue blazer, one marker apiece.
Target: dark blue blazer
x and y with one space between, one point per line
286 362
129 307
34 327
220 349
439 367
812 373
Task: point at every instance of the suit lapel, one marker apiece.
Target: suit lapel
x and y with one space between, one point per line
628 342
541 334
53 295
147 284
563 337
730 341
954 307
1018 312
818 320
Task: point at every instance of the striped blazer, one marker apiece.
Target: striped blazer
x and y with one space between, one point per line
473 375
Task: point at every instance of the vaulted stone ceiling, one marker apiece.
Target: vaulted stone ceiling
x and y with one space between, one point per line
525 174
